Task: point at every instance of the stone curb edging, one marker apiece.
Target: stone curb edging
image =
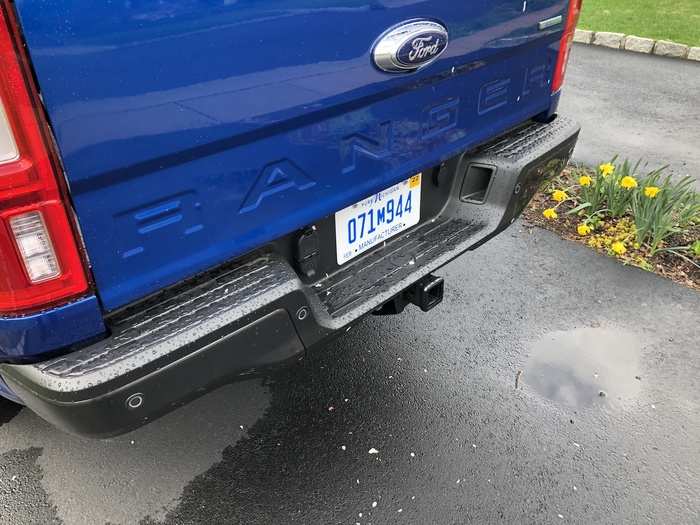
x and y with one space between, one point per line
637 44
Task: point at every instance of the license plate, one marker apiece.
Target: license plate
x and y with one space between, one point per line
375 219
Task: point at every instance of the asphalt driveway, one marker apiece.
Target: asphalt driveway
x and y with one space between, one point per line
636 106
603 428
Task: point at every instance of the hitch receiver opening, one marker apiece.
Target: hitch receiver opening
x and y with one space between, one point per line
426 294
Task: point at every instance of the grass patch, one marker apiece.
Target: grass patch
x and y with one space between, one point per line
675 20
645 221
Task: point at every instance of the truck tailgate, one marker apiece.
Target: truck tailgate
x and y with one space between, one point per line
193 131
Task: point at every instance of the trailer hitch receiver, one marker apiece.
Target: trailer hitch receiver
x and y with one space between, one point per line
426 294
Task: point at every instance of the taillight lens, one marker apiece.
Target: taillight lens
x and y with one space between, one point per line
567 40
40 261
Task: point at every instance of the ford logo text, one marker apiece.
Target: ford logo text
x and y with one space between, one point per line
410 46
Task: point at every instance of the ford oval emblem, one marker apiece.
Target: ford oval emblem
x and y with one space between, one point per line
410 46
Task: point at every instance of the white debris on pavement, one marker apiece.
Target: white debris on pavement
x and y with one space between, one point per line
374 504
373 451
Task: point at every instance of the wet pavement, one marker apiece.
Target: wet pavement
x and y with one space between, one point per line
635 105
435 396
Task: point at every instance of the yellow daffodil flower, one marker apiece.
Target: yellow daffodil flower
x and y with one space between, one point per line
619 248
559 195
606 169
585 180
651 191
550 213
583 229
629 183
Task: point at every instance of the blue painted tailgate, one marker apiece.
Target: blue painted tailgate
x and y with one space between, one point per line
193 131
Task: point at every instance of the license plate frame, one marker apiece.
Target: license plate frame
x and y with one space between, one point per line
377 218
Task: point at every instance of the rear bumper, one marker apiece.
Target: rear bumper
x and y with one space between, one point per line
258 312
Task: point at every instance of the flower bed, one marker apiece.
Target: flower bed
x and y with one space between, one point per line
646 220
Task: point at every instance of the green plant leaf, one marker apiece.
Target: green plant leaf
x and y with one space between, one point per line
695 248
579 208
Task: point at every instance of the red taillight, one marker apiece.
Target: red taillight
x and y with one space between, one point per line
40 263
566 42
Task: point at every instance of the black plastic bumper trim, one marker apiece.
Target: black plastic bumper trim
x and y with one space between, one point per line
270 339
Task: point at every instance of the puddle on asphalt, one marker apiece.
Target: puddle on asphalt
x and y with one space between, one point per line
585 367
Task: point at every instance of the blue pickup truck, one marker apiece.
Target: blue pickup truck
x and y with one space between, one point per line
194 191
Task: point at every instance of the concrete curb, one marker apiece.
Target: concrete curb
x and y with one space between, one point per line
637 44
